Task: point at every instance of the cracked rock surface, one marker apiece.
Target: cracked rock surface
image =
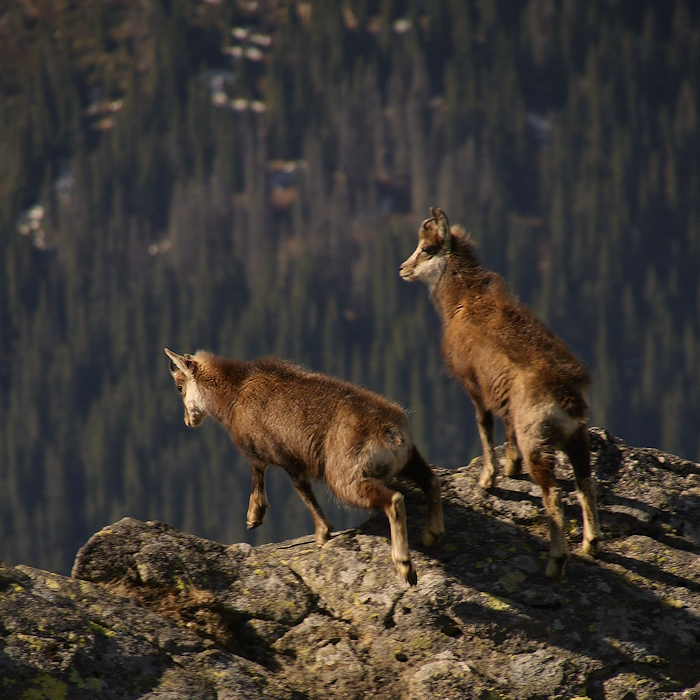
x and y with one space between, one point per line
152 612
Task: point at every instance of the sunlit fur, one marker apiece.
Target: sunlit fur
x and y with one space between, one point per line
314 427
511 365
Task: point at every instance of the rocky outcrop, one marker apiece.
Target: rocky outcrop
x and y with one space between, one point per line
152 612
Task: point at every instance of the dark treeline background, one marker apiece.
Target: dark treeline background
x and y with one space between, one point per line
246 177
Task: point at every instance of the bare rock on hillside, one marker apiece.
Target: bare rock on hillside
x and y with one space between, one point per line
155 613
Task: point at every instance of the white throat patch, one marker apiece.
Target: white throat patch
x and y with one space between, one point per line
429 271
193 400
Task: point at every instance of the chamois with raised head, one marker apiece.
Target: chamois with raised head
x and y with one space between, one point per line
314 427
512 365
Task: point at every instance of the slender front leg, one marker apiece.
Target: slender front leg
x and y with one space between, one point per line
321 522
514 460
258 498
484 420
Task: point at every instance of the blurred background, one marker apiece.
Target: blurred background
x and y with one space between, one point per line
246 177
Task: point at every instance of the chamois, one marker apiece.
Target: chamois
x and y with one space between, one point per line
510 364
314 427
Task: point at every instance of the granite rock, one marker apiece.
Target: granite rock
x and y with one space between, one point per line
152 612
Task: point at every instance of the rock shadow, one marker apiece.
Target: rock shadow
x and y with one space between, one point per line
615 613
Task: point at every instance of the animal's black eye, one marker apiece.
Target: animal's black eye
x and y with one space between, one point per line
429 249
179 388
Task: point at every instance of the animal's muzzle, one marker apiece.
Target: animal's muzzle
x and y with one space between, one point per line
194 420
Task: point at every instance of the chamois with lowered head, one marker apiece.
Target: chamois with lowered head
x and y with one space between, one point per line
510 364
314 427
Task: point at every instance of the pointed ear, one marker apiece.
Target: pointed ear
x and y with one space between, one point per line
444 233
178 362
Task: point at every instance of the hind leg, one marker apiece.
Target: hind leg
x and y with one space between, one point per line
257 504
578 451
322 524
372 493
514 460
484 421
541 462
421 474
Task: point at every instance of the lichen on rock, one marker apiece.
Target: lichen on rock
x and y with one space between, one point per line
152 612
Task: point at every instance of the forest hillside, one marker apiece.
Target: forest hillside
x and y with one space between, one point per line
246 177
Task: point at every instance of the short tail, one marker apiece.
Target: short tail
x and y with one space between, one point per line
573 404
393 437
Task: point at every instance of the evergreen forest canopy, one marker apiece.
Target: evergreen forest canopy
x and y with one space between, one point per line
246 177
